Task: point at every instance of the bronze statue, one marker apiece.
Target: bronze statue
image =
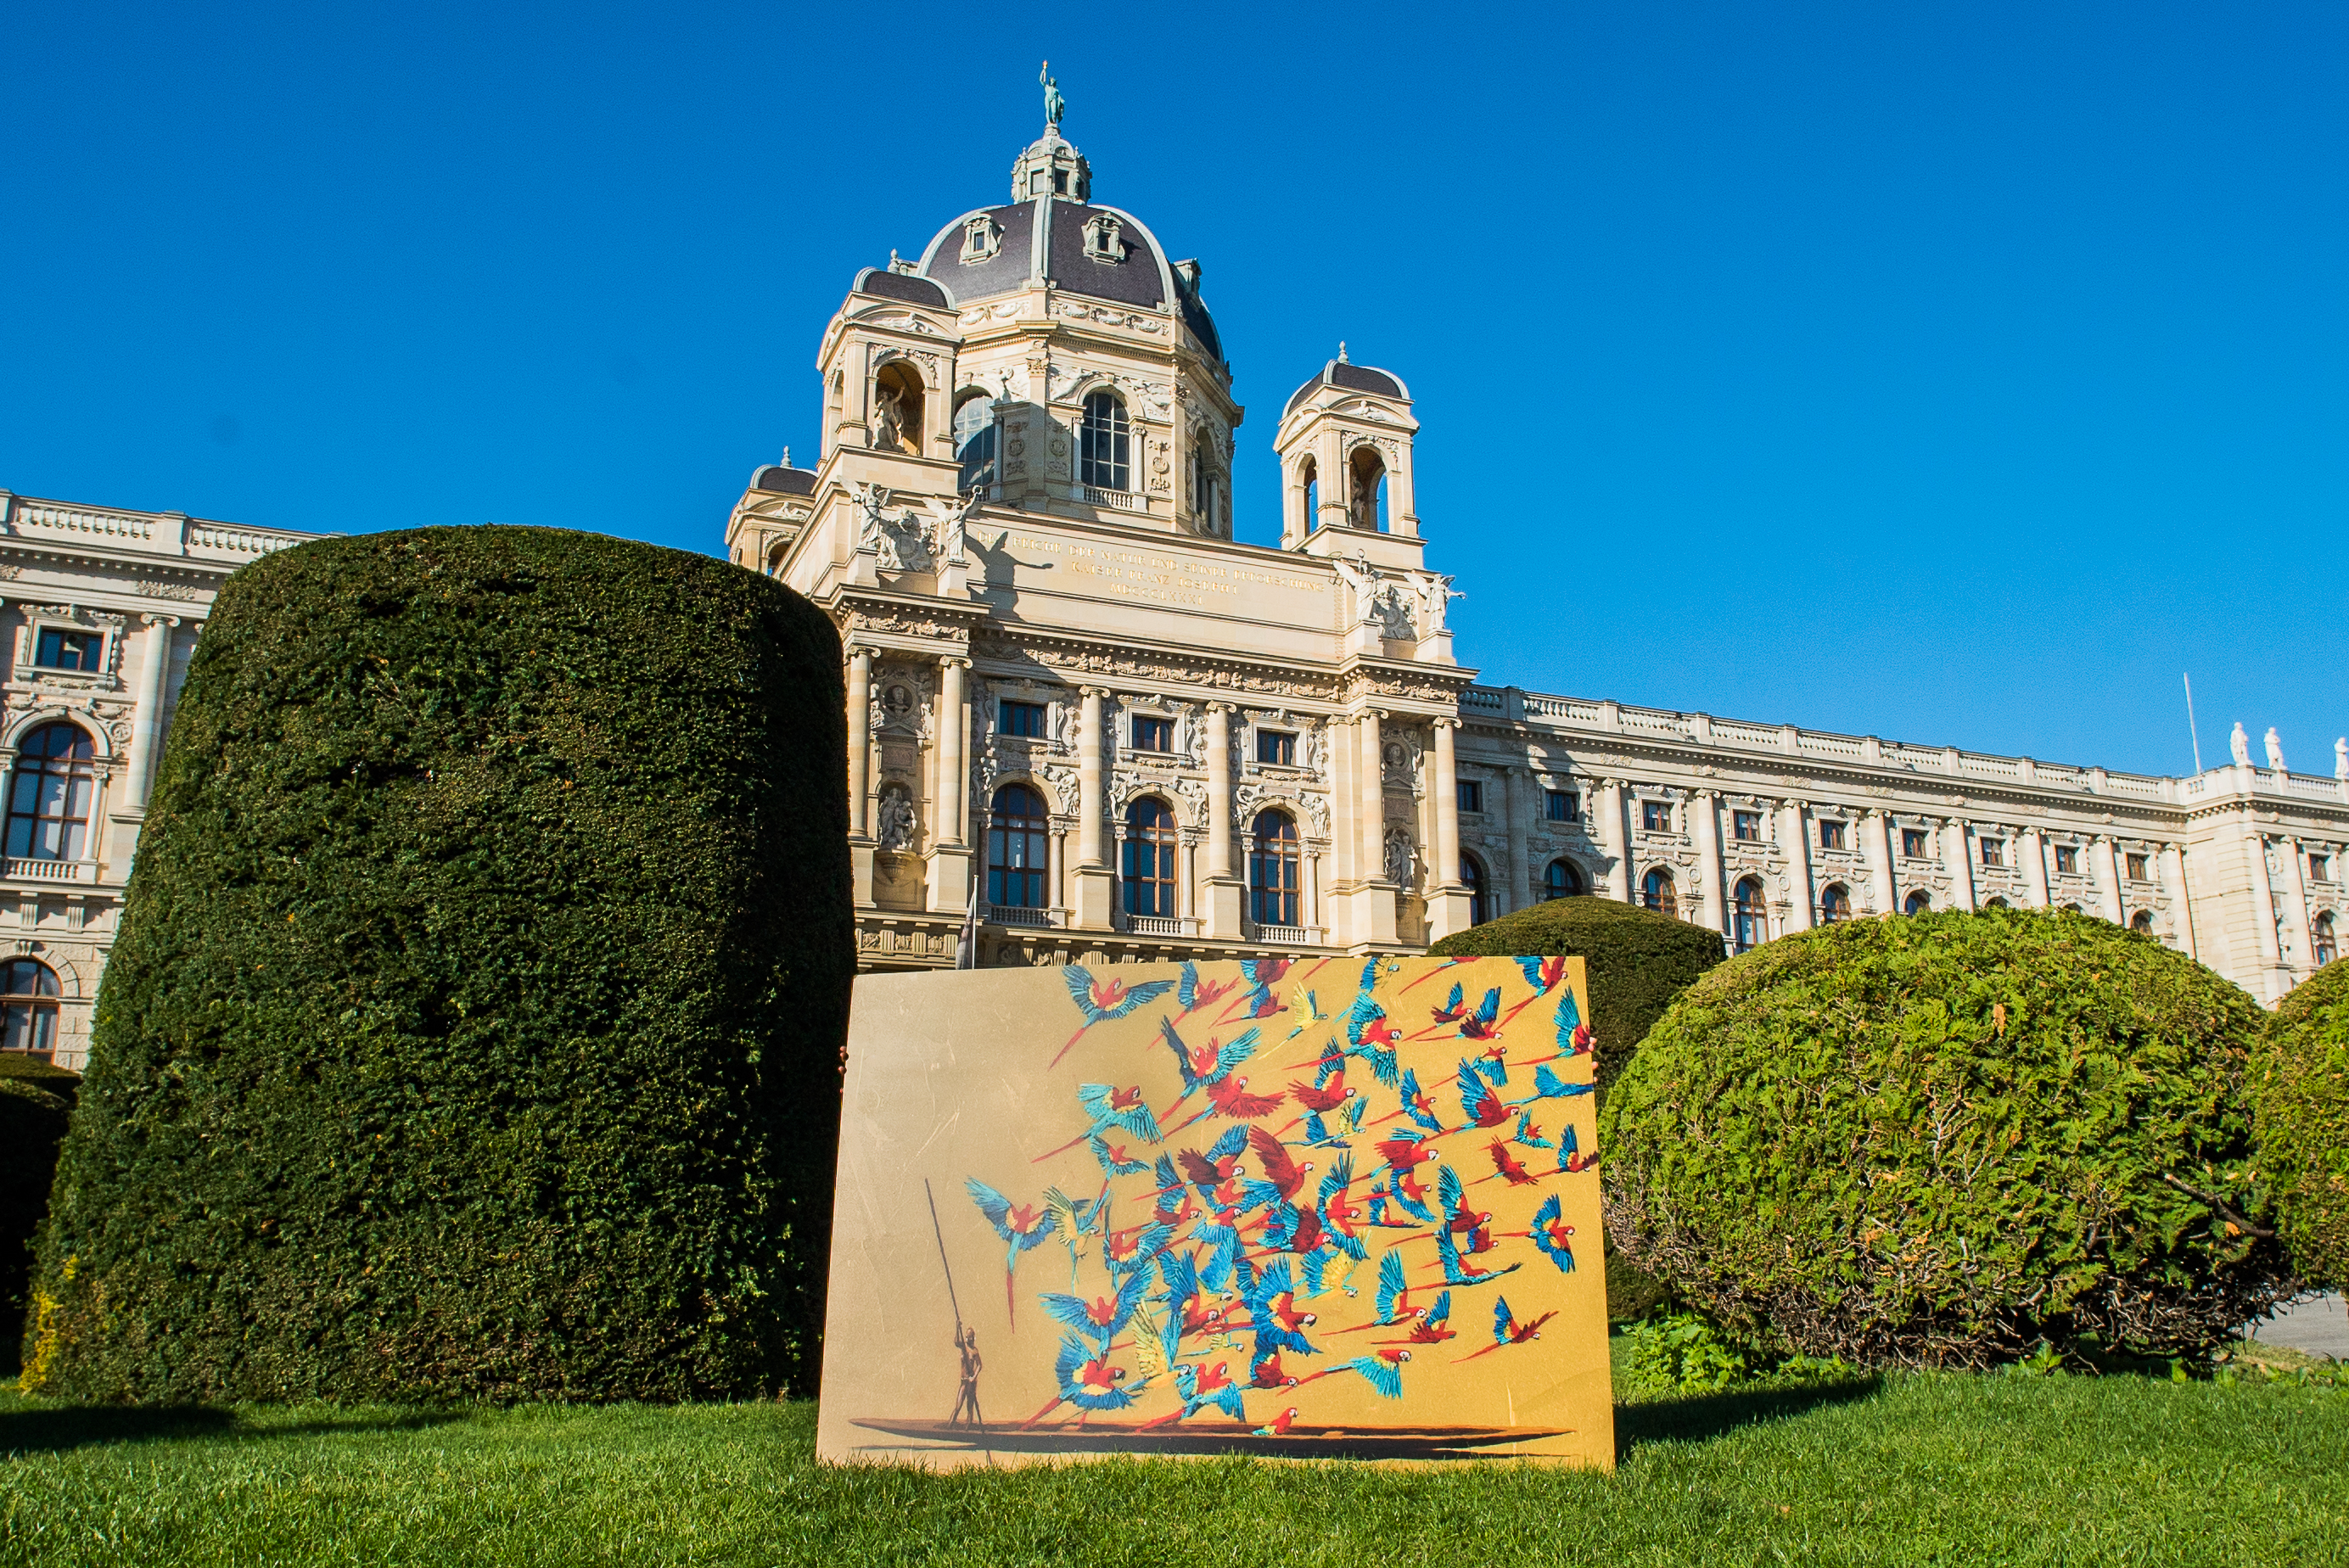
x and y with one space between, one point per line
1054 102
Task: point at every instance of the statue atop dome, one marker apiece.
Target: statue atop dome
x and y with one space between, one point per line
1054 104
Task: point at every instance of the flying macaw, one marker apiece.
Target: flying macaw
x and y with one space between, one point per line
1458 1218
1135 1248
1291 1229
1076 1218
1457 1273
1548 1084
1573 1034
1507 1330
1171 1186
1417 1103
1430 1324
1530 1134
1021 1228
1431 974
1087 1381
1569 1158
1113 1158
1210 1170
1230 1098
1328 1090
1203 1067
1478 1103
1218 1231
1278 1426
1553 1236
1370 1036
1098 1001
1179 1271
1200 1387
1541 974
1262 975
1103 1317
1393 1297
1110 1109
1274 1314
1384 1371
1455 1008
1267 1372
1478 1026
1190 995
1338 1211
1318 1133
1283 1177
1405 1150
1507 1167
1314 1015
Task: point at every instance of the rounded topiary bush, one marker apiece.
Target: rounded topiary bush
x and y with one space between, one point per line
2300 1100
1637 961
36 1098
472 1027
1946 1137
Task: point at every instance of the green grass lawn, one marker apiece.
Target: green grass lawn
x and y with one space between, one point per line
1941 1469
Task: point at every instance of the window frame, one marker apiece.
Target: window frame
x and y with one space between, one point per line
1275 864
1993 852
28 798
29 1019
1474 876
1282 743
1920 837
1468 797
1572 885
974 470
1561 805
1834 903
1834 833
1741 821
2067 860
1024 712
1150 860
1665 902
1656 816
1011 838
2136 865
2325 937
1114 431
1164 726
1750 918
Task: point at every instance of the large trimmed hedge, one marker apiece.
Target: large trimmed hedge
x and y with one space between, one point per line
473 1028
35 1101
2299 1097
1943 1138
1637 961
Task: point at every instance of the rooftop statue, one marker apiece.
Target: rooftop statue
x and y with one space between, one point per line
2275 749
1054 104
2241 745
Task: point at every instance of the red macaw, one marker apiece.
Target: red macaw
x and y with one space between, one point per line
1098 1001
1278 1426
1507 1167
1021 1228
1507 1330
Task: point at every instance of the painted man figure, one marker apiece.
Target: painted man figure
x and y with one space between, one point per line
966 1398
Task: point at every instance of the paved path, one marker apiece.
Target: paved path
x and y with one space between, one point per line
2317 1326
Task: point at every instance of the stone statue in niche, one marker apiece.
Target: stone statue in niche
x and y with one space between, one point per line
903 542
894 823
888 420
1399 854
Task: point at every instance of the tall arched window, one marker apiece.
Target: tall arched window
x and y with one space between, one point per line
48 809
28 1008
1016 852
1480 896
2328 946
1273 864
1561 880
1995 903
1101 444
1834 903
1150 851
2142 921
1753 919
974 438
1308 476
1920 903
1656 893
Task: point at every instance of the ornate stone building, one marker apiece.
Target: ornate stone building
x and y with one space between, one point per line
102 608
1075 700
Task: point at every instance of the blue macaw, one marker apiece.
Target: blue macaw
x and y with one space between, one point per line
1553 1236
1208 1064
1121 1108
1108 1159
1478 1103
1548 1084
1104 1318
1455 1008
1478 1026
1530 1136
1272 1316
1456 1273
1384 1371
1200 1388
1317 1128
1022 1228
1098 1001
1415 1101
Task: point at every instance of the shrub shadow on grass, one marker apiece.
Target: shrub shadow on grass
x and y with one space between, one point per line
69 1426
1698 1417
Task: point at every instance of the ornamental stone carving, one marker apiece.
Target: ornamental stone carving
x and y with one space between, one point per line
893 823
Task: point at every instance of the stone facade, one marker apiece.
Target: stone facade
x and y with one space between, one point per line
1022 508
115 600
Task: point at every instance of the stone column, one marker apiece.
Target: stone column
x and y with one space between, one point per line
1607 826
1880 854
1514 789
2295 914
2181 902
1704 823
950 853
2031 856
1223 894
1312 907
1371 780
146 727
1794 829
1056 889
1447 900
1090 900
860 762
2263 908
1957 858
2108 872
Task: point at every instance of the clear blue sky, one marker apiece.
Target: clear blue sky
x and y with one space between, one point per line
1956 373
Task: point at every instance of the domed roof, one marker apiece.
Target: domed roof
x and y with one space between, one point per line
1052 231
1339 372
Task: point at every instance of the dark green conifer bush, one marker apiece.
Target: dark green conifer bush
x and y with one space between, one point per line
34 1100
2300 1096
473 1028
1944 1139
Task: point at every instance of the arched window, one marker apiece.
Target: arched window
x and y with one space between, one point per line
1995 903
1752 919
1016 852
2142 921
1834 903
974 438
1480 896
1101 444
2074 909
1150 850
1273 862
28 1008
48 809
1920 903
1308 477
1561 880
775 559
1207 481
2328 946
1656 893
898 408
1366 506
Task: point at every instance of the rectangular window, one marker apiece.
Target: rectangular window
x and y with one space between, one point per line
1561 806
2067 860
1831 834
1745 825
1153 734
1656 816
1993 852
1912 844
1023 718
2136 868
1276 746
2320 867
59 650
1472 795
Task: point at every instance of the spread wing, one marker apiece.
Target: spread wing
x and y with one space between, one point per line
991 1203
1502 1163
1362 1013
1186 989
1148 991
1390 1283
1441 1313
1245 1106
1533 970
1233 1139
1080 981
1503 1320
1273 1160
1110 1163
1383 1376
1490 1007
1568 1016
1339 1177
1476 1097
1232 1053
1370 976
1449 1192
1182 1054
1332 1060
